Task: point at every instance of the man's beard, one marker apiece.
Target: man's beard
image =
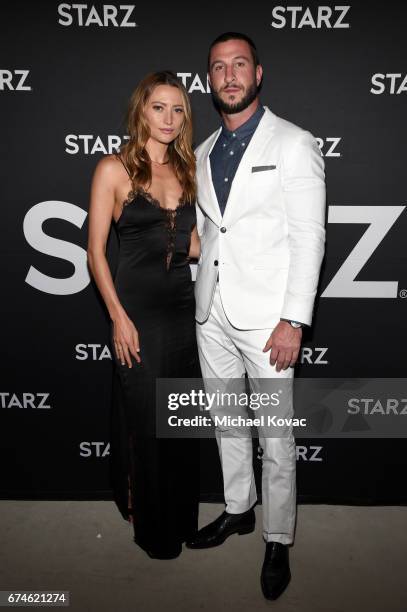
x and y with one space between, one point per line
231 109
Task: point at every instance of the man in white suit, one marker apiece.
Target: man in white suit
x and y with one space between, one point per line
261 217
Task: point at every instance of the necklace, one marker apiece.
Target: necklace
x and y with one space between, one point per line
160 163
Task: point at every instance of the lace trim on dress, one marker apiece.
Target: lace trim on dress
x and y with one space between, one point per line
170 217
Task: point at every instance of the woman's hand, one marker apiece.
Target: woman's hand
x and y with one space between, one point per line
126 340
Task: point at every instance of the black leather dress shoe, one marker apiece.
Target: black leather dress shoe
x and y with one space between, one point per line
275 574
164 554
221 528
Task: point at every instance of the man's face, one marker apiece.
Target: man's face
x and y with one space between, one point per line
232 75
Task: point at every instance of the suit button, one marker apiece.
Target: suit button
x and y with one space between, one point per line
215 263
223 230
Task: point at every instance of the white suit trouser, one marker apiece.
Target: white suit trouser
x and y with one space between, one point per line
226 353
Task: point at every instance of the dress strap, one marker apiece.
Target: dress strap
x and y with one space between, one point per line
125 167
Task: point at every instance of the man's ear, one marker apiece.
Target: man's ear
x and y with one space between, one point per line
259 74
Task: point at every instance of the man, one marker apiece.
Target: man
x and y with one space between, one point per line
261 213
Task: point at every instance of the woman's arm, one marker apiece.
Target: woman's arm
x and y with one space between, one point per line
102 202
195 248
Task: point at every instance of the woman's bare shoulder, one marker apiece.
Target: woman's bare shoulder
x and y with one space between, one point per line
110 165
110 172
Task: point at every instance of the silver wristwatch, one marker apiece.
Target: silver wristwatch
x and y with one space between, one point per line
294 324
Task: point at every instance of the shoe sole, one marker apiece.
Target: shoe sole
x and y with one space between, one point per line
241 531
280 590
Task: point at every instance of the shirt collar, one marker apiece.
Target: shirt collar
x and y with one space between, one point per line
247 128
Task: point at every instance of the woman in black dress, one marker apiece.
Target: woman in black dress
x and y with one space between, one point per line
148 190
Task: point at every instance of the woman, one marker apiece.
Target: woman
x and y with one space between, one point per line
148 189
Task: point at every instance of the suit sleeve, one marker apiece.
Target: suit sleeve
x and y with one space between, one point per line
303 184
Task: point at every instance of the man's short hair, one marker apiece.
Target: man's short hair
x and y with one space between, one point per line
235 36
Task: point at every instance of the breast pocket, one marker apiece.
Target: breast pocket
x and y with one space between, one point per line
263 175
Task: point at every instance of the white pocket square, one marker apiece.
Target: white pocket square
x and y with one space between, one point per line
262 168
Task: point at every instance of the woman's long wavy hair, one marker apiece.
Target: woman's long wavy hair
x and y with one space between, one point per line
180 152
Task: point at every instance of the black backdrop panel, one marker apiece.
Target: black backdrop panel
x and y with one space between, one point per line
66 74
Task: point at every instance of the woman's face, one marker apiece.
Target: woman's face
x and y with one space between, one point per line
165 113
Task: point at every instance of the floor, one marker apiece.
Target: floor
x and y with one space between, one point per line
344 559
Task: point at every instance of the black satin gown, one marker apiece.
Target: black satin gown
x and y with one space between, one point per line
154 285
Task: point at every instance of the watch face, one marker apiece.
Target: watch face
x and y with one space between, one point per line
296 325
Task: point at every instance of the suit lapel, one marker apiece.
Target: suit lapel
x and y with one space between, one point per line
250 157
205 168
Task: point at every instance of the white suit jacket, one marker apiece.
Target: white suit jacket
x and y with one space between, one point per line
269 245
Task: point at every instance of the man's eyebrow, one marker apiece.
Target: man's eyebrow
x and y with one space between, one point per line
234 58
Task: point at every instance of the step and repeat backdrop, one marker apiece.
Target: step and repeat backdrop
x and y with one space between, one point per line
66 74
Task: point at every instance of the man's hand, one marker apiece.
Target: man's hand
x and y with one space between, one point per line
284 342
